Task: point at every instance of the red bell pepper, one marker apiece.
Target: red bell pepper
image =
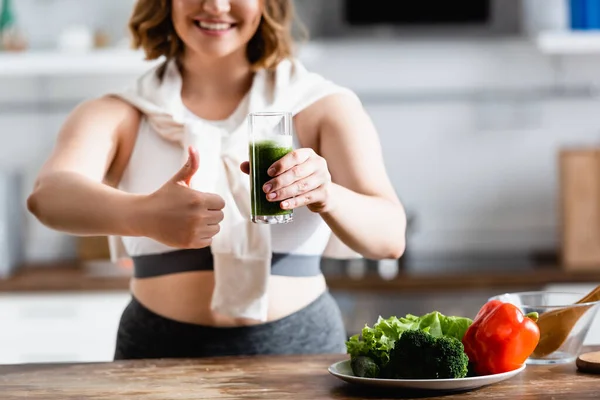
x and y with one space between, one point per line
500 338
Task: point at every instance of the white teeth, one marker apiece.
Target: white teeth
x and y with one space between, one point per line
214 26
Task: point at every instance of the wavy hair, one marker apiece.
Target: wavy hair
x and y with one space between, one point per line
152 29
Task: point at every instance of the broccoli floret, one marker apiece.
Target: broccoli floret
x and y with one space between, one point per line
364 367
407 358
452 361
419 355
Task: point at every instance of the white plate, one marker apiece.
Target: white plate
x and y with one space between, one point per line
343 371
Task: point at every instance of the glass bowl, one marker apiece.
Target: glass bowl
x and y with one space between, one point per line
550 302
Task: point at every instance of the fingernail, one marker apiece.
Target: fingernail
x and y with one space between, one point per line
272 195
268 188
285 204
271 171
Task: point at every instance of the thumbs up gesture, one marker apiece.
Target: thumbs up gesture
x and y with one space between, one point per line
180 216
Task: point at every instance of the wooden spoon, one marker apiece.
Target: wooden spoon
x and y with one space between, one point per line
556 325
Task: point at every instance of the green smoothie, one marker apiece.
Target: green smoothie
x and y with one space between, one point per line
262 156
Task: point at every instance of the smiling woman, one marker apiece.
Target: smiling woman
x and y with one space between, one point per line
161 168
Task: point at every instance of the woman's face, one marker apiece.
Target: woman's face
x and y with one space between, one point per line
216 28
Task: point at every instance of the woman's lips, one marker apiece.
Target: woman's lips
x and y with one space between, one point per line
214 28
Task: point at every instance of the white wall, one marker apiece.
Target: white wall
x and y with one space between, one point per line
44 20
470 129
471 132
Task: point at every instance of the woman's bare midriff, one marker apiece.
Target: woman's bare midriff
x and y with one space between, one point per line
186 297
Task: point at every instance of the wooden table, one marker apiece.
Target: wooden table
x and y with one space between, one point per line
281 377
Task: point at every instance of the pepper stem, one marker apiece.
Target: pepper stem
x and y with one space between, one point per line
533 315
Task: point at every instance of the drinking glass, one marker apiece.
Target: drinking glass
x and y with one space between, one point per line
270 138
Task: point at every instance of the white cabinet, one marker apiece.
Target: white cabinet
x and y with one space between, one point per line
479 174
27 139
59 327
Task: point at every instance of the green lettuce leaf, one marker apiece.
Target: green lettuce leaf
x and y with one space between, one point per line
376 342
455 327
356 347
437 324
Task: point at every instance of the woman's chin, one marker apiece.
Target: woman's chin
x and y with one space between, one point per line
215 52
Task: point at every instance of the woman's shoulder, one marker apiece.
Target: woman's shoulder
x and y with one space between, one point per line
106 111
300 88
292 70
100 120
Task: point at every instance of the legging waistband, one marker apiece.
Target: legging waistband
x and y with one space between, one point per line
283 264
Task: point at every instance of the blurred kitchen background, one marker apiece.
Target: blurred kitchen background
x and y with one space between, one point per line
489 116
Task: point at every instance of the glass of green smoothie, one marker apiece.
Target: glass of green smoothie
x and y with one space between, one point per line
270 137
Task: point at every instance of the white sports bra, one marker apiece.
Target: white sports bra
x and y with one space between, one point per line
155 160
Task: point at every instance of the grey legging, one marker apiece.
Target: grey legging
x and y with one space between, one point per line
317 328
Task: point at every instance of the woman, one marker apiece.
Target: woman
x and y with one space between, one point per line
115 171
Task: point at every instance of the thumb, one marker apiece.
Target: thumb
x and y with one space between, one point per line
185 174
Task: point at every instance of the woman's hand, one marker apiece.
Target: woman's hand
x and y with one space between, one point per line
300 178
179 216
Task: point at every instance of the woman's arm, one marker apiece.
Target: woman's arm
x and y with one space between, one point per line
364 210
344 178
74 192
93 147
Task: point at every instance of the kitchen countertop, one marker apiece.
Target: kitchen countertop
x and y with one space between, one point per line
107 61
279 377
73 276
471 66
56 63
124 60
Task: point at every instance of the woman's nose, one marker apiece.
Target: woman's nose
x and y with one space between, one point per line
217 6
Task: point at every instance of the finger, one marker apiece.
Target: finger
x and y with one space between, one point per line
296 188
213 201
213 217
209 232
288 161
245 167
292 175
202 243
304 199
185 174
